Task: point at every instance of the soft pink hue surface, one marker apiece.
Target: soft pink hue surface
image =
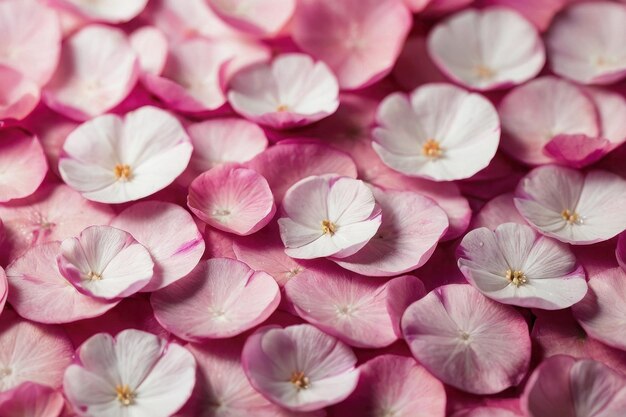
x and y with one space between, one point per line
31 400
23 164
18 95
116 11
257 17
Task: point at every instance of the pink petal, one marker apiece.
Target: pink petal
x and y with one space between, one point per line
500 209
439 7
54 212
31 400
584 43
611 108
151 47
219 141
470 48
536 112
23 164
4 288
98 69
220 298
432 115
105 262
116 11
414 66
410 230
288 162
257 17
467 340
112 160
321 365
233 199
293 90
486 412
572 207
31 37
577 151
18 95
538 12
32 352
397 386
620 251
40 293
360 48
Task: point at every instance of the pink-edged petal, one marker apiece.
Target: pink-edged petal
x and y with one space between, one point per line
498 210
220 298
40 293
292 90
23 164
572 207
116 11
31 400
467 340
170 235
321 367
439 132
105 262
233 199
441 7
360 47
515 265
18 95
577 151
396 386
257 17
538 12
31 39
602 312
98 68
487 49
32 352
350 307
220 141
414 66
611 107
584 43
411 227
534 113
290 161
54 212
151 47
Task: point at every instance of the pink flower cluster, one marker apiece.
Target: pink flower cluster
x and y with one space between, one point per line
310 208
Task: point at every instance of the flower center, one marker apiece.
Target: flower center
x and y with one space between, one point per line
125 395
484 72
571 217
516 278
282 108
328 227
122 172
432 149
94 276
300 380
4 372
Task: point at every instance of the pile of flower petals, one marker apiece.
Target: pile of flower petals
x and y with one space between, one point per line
313 208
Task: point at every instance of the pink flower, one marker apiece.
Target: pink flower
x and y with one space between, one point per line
98 69
31 400
355 309
142 154
293 90
232 298
40 293
411 227
31 352
544 109
566 387
515 265
105 262
360 40
23 164
135 374
585 43
233 199
439 132
326 216
487 49
257 17
397 386
571 206
116 11
299 367
169 233
467 340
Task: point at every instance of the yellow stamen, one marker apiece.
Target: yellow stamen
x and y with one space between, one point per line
571 217
517 278
300 380
125 395
94 276
484 72
282 108
122 172
328 227
432 149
